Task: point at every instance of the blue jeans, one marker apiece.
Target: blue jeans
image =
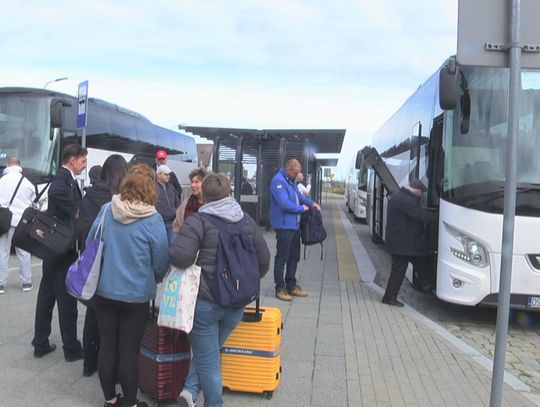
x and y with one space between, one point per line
211 327
287 253
170 234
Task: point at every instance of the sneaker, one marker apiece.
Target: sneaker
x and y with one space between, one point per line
283 295
27 287
2 289
298 292
185 399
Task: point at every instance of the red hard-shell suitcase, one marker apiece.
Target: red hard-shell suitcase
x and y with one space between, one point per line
164 360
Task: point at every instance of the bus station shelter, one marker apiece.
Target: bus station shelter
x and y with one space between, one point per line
251 157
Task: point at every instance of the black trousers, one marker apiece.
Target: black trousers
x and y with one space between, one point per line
52 289
90 338
421 266
121 328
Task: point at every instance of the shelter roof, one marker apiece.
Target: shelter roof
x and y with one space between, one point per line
321 140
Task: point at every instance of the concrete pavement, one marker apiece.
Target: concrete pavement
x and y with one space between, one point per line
341 346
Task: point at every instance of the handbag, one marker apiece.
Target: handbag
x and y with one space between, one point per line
41 234
83 275
5 213
179 297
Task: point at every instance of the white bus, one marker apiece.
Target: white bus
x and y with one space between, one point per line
35 125
356 190
459 153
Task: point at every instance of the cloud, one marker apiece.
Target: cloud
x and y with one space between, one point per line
239 63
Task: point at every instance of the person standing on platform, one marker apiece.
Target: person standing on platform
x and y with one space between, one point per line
22 199
167 199
64 203
286 206
161 159
198 240
192 204
135 257
114 170
304 189
406 238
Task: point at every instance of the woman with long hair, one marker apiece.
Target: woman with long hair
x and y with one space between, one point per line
112 173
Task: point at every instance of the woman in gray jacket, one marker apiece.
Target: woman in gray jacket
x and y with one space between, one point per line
212 322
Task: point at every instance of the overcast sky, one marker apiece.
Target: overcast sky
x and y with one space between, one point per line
234 63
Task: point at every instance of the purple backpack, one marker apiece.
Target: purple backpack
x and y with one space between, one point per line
83 275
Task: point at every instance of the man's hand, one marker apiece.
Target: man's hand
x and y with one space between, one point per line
306 208
317 206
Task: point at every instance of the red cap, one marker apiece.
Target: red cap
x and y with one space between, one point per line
161 154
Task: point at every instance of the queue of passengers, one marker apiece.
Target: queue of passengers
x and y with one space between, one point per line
134 201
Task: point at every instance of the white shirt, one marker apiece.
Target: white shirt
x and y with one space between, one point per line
303 189
25 195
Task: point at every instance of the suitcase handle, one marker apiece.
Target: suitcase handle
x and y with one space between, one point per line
253 316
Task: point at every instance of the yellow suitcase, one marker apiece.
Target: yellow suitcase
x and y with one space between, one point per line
250 359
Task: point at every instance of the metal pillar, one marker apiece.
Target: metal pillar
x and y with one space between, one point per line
238 169
215 155
281 156
503 308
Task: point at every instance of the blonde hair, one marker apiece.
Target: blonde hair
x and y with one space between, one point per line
215 187
139 185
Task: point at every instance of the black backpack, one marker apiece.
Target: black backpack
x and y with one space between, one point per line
312 230
237 279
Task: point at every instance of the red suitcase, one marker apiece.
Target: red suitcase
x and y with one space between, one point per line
164 361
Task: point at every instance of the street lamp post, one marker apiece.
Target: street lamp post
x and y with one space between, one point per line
55 80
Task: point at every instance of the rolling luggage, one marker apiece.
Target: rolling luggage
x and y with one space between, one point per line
163 361
250 358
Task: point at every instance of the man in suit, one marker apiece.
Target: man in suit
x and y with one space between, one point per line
64 202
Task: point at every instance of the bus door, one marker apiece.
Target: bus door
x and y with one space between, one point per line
383 180
435 174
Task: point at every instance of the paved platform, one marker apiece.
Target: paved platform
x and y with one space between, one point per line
341 346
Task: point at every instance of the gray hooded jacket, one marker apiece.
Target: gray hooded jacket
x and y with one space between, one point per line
200 235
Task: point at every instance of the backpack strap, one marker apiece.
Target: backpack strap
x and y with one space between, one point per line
15 192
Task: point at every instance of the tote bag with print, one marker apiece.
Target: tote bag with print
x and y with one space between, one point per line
179 297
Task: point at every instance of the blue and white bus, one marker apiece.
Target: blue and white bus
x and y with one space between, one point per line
460 154
35 125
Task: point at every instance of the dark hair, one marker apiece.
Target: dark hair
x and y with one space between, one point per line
115 169
198 172
215 187
73 150
139 185
94 174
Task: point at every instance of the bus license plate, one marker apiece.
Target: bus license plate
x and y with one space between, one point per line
533 302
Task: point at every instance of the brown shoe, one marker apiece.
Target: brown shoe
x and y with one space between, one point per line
283 295
297 292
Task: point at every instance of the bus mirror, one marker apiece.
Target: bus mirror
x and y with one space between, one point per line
56 114
359 160
448 85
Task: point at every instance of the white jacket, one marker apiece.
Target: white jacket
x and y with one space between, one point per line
25 195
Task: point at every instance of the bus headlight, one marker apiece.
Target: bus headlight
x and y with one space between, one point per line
473 251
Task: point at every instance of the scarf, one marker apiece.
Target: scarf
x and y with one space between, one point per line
128 212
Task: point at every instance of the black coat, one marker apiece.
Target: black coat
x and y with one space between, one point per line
406 234
96 196
64 198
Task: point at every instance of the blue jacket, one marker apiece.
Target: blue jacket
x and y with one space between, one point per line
135 256
285 208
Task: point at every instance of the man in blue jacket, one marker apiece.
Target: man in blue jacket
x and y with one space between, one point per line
286 206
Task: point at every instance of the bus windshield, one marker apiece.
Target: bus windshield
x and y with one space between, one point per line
25 133
475 142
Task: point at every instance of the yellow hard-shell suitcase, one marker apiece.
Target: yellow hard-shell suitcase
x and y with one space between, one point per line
250 358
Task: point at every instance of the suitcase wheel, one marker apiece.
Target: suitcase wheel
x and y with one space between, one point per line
269 394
